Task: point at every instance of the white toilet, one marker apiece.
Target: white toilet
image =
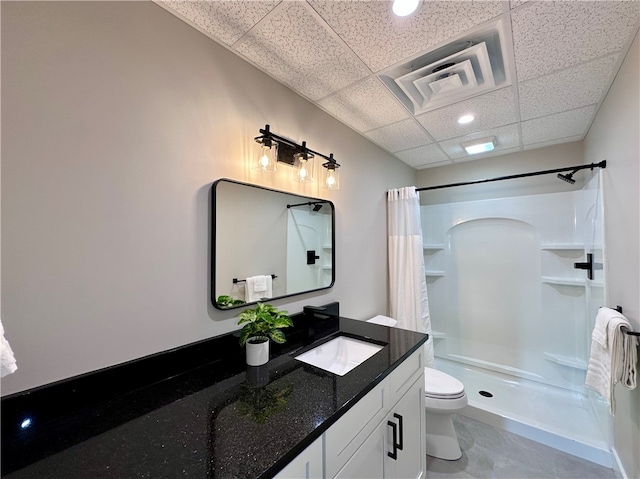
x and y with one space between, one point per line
444 396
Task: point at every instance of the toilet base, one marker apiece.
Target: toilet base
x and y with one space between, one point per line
441 438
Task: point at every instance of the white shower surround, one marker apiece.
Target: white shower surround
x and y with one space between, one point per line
509 309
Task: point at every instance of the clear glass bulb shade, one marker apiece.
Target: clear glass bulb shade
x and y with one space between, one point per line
303 170
265 158
331 178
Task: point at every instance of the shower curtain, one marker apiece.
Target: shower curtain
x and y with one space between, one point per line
409 303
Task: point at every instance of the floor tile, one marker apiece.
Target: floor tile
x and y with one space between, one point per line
491 453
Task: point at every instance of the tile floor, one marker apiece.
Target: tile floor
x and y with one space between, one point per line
492 453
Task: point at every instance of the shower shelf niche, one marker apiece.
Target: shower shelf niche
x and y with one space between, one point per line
562 247
565 281
581 283
438 274
433 247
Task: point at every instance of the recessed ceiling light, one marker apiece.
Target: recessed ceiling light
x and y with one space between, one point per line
464 119
479 146
402 8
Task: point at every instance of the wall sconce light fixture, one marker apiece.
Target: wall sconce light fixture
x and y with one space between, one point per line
331 174
266 152
277 149
303 166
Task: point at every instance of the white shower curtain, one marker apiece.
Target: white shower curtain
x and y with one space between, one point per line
409 303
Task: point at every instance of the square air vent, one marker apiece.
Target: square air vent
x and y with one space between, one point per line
467 67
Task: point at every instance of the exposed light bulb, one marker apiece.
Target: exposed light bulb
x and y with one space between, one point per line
331 179
303 172
264 161
402 8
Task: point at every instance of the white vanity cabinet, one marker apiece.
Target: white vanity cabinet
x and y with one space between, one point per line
360 445
307 465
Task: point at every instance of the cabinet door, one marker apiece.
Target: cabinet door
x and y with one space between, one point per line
368 461
308 465
411 460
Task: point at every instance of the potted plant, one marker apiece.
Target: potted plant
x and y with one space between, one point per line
261 324
225 301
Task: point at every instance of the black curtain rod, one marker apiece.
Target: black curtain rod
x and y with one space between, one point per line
573 169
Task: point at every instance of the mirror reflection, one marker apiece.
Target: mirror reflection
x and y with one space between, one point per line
268 244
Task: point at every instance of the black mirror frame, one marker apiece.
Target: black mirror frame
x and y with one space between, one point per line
213 242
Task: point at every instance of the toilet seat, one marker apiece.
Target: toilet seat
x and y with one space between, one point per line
439 385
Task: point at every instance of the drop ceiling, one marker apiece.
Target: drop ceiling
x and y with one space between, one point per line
550 64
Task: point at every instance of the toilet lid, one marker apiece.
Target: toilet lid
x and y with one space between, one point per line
440 385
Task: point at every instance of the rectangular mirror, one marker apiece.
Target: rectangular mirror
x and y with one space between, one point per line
262 235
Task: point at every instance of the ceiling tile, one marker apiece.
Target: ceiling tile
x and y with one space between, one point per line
365 106
491 110
566 90
422 156
293 47
507 137
400 136
552 142
560 125
433 165
549 36
225 20
381 39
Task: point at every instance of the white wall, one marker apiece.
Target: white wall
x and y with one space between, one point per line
117 117
614 136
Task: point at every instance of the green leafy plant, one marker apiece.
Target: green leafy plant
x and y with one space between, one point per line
227 301
263 322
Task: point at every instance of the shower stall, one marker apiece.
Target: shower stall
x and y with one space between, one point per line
514 287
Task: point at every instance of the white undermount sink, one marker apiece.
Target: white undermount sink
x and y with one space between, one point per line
340 355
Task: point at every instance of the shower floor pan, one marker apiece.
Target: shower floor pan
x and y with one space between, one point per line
552 416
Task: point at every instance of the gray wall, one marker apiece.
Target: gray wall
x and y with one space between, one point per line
116 118
615 137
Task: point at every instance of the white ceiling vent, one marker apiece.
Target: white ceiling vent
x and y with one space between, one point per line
467 67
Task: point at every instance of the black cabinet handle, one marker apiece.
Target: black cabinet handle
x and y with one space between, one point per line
393 455
399 418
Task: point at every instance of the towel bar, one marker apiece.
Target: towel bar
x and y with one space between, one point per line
629 332
236 280
625 330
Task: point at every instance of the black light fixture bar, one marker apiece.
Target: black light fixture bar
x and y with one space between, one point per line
572 169
267 133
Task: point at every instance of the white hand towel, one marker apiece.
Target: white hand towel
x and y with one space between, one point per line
613 355
251 291
8 361
260 283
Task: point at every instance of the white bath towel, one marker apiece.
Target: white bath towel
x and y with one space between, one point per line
613 357
258 288
8 361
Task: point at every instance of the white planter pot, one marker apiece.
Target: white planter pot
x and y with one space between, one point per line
257 353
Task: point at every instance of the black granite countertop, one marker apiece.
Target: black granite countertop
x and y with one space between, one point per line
195 411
